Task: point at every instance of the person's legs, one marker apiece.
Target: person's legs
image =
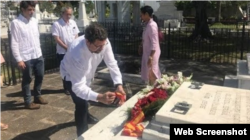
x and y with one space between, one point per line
60 58
81 111
39 73
26 79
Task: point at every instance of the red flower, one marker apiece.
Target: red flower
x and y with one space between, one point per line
160 93
152 99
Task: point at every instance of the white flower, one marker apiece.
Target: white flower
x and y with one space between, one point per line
146 90
161 81
180 75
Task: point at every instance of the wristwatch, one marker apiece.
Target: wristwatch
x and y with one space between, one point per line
116 85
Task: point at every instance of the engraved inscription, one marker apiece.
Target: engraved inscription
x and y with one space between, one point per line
208 95
203 104
227 100
215 103
236 116
248 107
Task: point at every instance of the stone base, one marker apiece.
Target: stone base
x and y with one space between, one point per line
242 74
230 81
244 84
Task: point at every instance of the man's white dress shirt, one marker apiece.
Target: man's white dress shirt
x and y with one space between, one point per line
79 66
25 39
65 31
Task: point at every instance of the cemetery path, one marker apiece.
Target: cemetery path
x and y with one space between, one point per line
55 121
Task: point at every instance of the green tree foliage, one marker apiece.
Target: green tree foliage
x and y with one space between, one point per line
48 5
222 9
59 5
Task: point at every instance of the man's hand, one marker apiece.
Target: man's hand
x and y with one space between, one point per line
21 65
120 89
106 98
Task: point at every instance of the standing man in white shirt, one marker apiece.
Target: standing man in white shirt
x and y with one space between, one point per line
78 69
26 49
64 31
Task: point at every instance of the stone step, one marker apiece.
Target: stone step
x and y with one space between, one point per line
230 81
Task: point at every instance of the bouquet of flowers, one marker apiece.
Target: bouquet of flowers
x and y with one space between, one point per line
154 99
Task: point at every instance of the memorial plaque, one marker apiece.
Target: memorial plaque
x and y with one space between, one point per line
209 104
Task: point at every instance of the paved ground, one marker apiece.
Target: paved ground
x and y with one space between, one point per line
55 121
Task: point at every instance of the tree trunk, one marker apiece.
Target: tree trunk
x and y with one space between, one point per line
219 11
201 30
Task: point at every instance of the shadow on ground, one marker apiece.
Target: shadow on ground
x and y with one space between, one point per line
44 91
43 134
11 105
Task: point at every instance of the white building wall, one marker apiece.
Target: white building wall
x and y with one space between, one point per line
155 5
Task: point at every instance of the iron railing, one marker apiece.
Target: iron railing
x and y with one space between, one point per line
226 46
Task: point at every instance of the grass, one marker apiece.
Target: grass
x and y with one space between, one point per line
219 26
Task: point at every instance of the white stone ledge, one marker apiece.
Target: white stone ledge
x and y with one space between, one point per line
112 124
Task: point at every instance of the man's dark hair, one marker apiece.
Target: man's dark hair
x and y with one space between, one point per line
94 32
26 4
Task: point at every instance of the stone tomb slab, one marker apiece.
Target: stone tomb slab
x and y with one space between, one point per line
210 104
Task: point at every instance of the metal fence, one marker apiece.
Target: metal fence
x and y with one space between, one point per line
226 46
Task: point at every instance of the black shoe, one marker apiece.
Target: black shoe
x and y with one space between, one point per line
66 92
92 119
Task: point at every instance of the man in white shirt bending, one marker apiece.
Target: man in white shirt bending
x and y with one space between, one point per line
78 69
64 31
25 45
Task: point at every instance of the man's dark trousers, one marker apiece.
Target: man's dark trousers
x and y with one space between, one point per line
81 111
60 58
36 66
